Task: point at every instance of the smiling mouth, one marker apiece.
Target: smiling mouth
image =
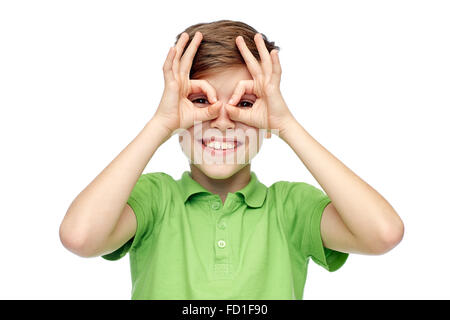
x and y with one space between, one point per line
223 146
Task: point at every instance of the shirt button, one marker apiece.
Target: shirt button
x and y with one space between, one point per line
222 226
215 205
221 244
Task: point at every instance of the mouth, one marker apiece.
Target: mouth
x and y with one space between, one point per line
220 146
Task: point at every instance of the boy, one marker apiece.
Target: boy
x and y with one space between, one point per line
218 232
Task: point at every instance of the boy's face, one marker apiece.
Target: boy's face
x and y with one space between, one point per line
221 147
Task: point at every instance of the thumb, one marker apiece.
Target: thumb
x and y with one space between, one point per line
238 114
209 113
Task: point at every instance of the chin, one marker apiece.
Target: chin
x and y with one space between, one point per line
220 171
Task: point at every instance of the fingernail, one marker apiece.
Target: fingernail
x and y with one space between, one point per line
214 99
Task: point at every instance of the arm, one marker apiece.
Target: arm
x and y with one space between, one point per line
99 220
358 219
89 224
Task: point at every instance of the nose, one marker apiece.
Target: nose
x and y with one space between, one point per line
223 121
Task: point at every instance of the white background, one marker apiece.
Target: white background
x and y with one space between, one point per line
369 80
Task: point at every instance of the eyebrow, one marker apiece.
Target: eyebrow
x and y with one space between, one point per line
202 94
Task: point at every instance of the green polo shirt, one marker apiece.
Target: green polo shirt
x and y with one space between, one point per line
257 245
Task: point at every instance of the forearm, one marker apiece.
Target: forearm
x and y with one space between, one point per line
364 211
94 213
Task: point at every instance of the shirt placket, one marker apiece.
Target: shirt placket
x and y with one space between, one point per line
222 268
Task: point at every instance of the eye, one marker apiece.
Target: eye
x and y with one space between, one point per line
248 104
200 100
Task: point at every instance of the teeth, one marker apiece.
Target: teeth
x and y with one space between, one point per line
220 145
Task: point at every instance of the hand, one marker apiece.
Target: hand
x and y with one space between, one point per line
269 110
175 110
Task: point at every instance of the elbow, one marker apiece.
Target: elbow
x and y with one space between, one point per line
75 242
389 238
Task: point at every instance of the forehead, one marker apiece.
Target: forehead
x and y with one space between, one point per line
228 78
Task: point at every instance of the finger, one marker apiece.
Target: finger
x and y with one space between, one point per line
276 65
167 66
243 87
209 113
238 114
189 54
250 60
179 51
198 86
266 61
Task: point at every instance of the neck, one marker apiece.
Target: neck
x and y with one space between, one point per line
222 186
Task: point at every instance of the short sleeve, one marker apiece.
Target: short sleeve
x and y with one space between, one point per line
145 199
304 209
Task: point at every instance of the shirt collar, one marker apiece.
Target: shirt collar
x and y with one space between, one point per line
254 192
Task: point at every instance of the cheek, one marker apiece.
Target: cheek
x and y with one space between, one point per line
253 138
186 140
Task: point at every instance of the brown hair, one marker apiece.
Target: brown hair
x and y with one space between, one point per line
218 49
